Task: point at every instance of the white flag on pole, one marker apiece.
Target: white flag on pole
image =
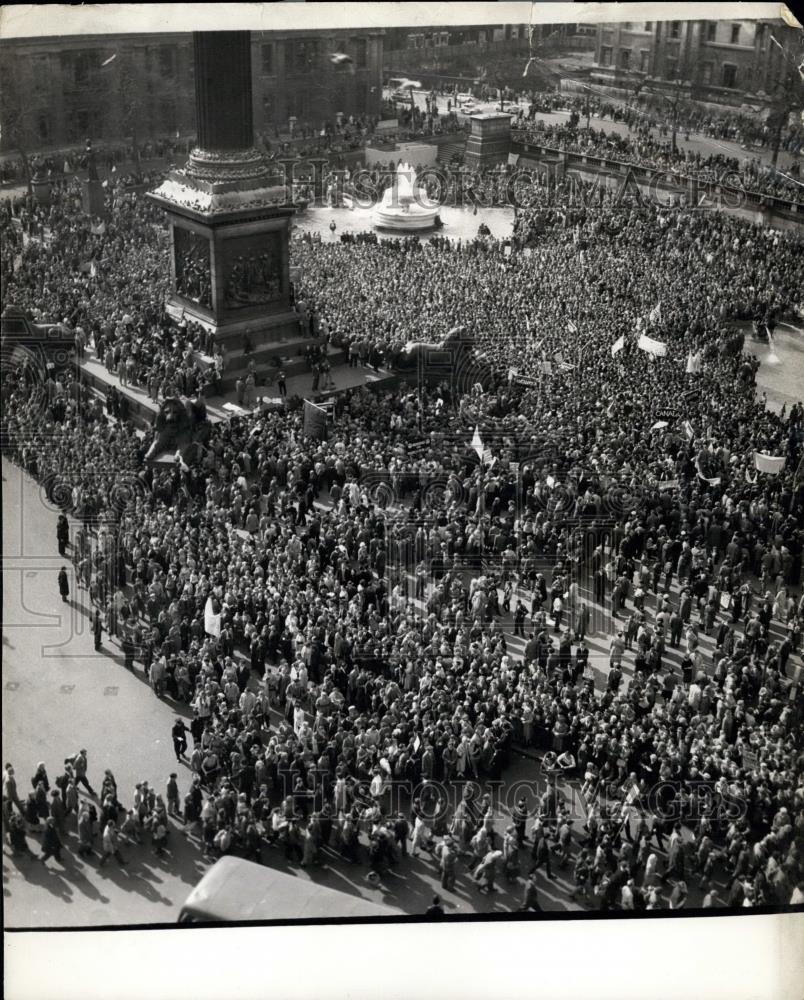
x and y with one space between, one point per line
655 315
477 443
693 363
618 345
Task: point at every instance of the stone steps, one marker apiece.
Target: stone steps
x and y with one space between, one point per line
291 354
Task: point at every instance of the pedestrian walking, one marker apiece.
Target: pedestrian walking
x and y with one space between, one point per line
97 628
63 534
530 899
58 810
17 838
179 734
51 842
540 854
111 848
448 861
172 794
79 765
85 832
64 584
10 794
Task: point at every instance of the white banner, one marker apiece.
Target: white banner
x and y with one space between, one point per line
714 481
772 464
618 345
212 621
693 363
656 348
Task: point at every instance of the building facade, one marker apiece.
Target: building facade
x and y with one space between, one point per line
720 62
294 76
59 91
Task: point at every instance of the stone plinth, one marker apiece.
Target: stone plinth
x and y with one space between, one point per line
489 140
229 218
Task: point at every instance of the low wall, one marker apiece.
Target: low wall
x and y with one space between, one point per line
758 207
415 153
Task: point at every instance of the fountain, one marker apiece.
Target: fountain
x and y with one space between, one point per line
404 208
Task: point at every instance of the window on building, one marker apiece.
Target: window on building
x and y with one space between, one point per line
508 32
707 72
644 59
80 122
626 25
675 29
735 34
267 53
605 55
43 127
268 108
167 61
40 68
729 75
81 68
168 110
625 58
648 26
671 68
301 55
522 31
361 53
711 31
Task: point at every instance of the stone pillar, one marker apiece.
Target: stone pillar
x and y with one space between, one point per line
223 89
489 141
229 220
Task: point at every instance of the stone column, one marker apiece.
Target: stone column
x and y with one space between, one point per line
223 89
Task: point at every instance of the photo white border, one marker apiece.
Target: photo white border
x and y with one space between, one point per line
751 957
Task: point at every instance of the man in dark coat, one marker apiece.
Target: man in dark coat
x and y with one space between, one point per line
63 534
64 584
530 899
51 842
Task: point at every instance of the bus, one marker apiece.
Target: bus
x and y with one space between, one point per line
238 890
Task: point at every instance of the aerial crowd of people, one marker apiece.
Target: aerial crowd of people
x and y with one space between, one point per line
644 149
366 631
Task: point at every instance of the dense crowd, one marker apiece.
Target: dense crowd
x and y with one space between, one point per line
105 284
64 163
370 578
751 174
648 112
